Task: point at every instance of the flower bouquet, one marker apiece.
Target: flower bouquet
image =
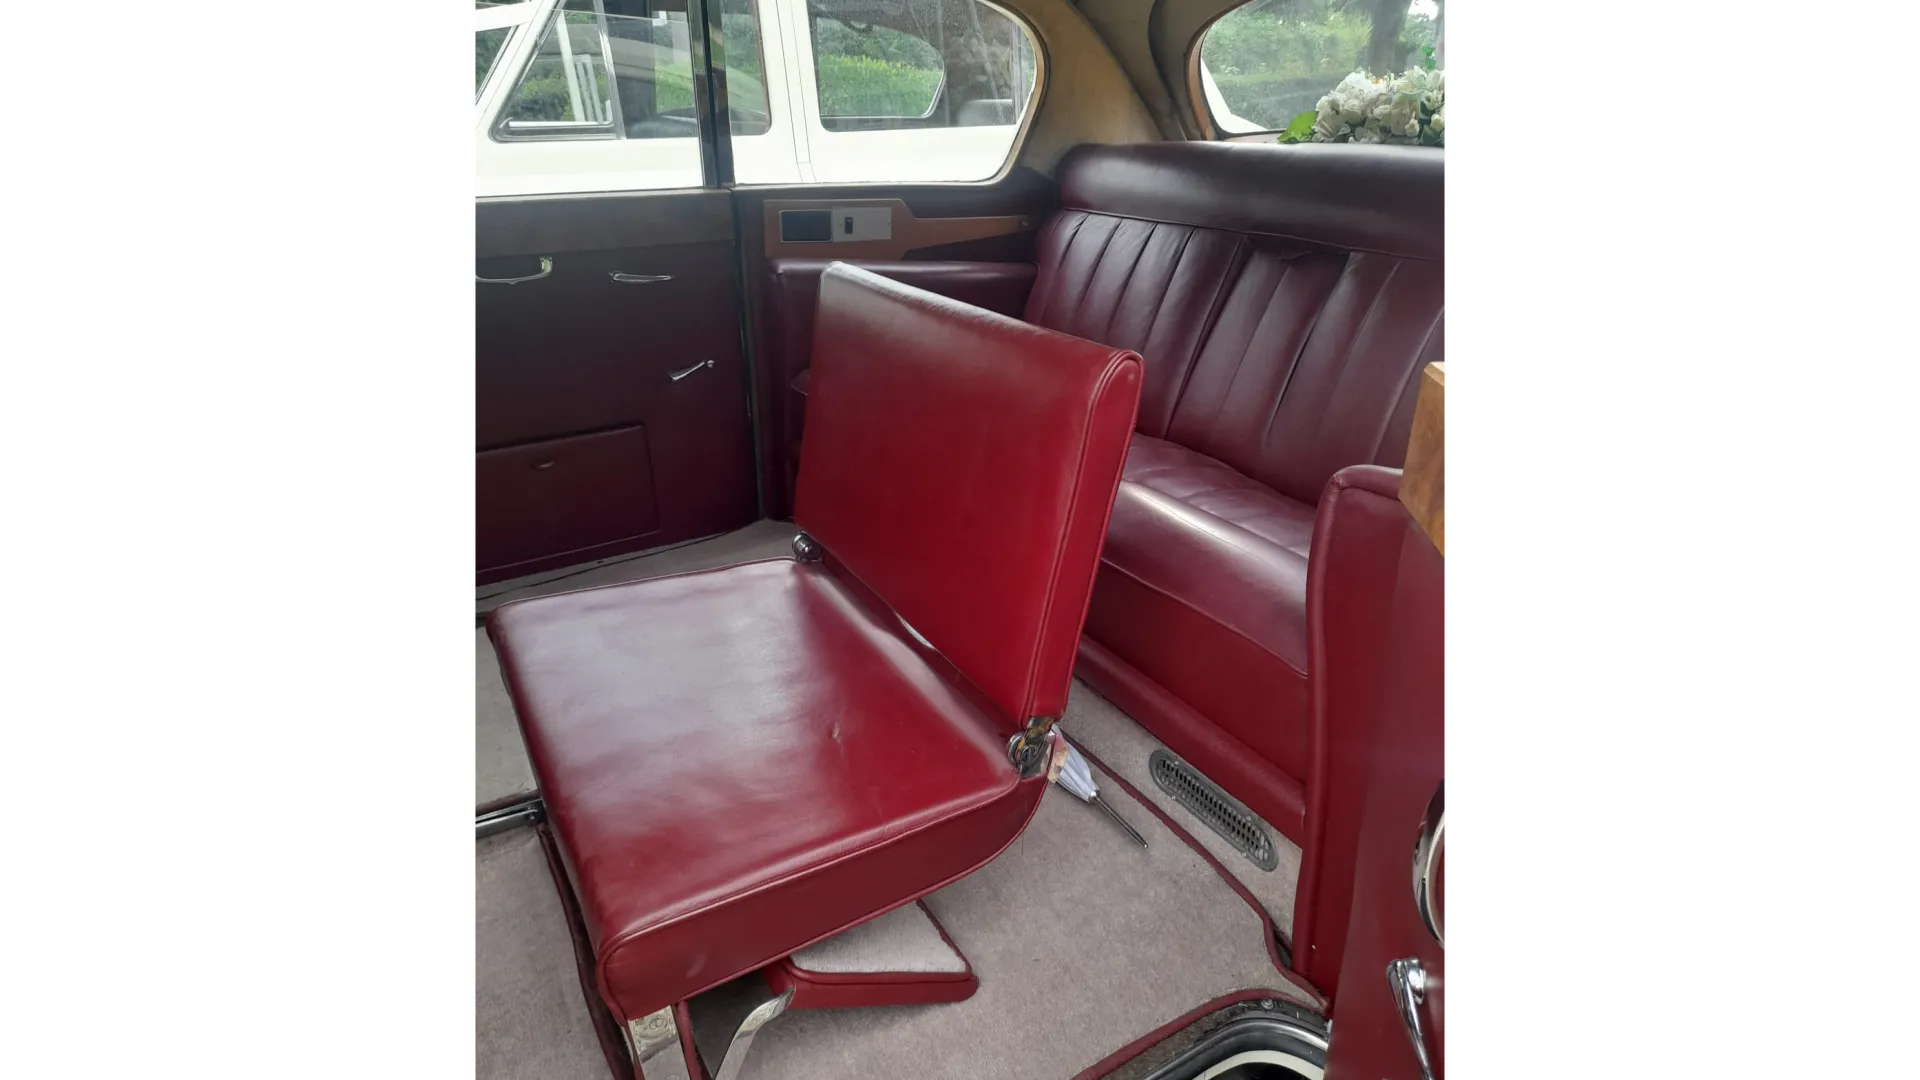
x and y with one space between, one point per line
1408 108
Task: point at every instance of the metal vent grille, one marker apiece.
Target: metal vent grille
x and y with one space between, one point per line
1222 813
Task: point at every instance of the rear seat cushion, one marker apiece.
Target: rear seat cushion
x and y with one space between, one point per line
1204 584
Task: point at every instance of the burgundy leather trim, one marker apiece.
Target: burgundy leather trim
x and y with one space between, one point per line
1273 952
613 1043
856 989
1246 775
1386 199
1145 1042
1177 600
1360 528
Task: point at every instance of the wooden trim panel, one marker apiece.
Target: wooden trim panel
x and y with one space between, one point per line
910 232
1423 489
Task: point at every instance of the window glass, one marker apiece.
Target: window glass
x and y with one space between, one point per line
898 64
571 89
604 100
485 51
1268 62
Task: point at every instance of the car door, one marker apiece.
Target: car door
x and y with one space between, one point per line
610 375
1388 1015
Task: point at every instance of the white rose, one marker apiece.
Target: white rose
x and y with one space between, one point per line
1412 84
1437 123
1436 95
1328 127
1356 96
1400 116
1369 133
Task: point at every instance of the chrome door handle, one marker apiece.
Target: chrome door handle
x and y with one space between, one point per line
546 267
1426 855
625 278
684 372
1409 982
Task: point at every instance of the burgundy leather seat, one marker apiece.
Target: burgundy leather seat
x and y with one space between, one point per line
1284 300
739 762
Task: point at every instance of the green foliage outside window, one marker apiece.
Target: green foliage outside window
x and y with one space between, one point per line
1273 59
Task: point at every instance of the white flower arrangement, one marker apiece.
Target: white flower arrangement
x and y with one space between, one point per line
1409 108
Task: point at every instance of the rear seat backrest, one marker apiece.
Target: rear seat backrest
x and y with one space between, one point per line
1283 298
962 465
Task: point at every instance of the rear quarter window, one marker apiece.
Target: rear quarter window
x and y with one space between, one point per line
1263 65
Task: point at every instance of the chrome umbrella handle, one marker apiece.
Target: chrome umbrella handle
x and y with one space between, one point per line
546 267
1409 982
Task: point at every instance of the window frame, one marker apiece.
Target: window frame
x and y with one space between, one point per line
811 126
1197 91
1197 94
502 131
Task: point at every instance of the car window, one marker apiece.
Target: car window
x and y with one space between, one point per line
877 67
1266 64
598 75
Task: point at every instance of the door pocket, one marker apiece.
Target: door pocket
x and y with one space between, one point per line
548 498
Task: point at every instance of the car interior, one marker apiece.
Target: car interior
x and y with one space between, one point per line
905 608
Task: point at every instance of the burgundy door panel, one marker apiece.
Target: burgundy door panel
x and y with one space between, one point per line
1371 1041
567 495
635 330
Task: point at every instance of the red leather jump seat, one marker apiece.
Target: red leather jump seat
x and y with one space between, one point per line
1284 300
740 762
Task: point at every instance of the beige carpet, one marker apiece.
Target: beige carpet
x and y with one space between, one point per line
1080 939
501 769
1100 728
530 1015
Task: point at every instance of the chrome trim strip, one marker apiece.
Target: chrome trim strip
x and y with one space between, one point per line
736 1056
684 372
1426 852
546 267
654 1041
528 812
1409 982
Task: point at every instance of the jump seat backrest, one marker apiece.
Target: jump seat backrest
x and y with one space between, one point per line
740 762
1284 300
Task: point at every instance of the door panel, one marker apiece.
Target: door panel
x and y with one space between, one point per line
565 495
1370 1040
633 332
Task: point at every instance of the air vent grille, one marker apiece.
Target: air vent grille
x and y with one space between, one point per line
1222 813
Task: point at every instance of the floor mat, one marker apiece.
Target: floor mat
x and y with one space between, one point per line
1082 943
530 1014
1098 726
501 771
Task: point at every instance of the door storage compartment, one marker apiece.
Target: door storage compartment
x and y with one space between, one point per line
563 496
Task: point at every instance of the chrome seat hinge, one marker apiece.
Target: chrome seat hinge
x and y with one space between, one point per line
1029 750
807 549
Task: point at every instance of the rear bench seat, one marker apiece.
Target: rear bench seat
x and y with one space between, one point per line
1284 300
